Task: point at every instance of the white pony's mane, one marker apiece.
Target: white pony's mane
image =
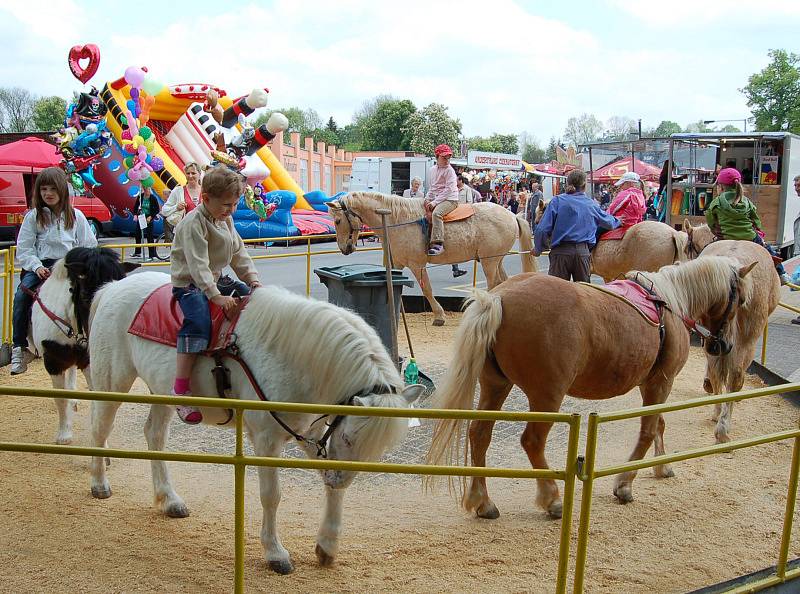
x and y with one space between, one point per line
403 209
691 288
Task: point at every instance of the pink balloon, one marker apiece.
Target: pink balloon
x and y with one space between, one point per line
126 134
134 76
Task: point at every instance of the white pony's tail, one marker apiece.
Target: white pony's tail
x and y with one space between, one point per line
526 245
472 344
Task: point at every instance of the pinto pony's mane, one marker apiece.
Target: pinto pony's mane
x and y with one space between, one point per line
691 288
403 209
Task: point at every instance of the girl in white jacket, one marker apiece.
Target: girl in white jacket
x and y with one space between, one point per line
50 229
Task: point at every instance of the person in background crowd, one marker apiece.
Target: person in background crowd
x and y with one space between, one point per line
732 216
415 191
747 173
571 222
147 205
442 197
182 200
466 195
513 202
663 177
530 209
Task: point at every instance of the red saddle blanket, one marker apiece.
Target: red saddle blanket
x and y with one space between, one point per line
160 318
634 295
617 233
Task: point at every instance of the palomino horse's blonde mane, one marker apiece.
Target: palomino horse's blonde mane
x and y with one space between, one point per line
690 288
403 209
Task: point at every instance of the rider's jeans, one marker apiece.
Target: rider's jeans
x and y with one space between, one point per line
21 315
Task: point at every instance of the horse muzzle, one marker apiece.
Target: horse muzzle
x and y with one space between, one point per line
348 249
337 479
717 347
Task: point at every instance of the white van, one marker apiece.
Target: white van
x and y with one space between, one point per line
388 175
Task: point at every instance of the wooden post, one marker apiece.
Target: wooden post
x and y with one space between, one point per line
387 257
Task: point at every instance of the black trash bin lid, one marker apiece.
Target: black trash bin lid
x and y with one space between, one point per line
363 275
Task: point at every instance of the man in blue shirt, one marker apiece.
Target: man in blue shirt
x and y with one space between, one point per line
571 221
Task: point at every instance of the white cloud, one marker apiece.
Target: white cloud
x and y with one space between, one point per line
691 14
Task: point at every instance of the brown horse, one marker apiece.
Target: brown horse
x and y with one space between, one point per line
725 371
551 338
487 236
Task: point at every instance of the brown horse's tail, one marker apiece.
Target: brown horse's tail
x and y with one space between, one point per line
472 344
526 245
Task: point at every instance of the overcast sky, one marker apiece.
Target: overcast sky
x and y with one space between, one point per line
500 66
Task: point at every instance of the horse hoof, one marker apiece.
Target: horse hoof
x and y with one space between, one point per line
722 437
623 495
101 492
281 567
488 512
64 439
108 462
707 386
554 510
438 322
325 560
177 510
665 473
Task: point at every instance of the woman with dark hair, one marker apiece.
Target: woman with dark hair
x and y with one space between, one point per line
146 205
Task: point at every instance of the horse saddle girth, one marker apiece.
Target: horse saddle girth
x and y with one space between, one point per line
634 295
160 318
459 213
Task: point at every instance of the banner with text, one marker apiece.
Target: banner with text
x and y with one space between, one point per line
493 160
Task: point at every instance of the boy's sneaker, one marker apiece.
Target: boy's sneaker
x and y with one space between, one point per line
785 279
20 357
190 415
435 249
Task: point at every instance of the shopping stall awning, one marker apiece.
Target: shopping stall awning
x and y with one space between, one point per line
611 172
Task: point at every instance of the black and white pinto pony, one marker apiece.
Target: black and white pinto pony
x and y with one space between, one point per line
58 326
298 349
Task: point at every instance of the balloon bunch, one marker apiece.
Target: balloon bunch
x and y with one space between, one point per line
256 201
138 139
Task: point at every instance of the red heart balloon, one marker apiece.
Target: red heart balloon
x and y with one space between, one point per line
84 52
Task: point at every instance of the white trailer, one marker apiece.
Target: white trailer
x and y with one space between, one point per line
388 175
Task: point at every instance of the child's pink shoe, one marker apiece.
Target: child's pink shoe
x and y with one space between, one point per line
190 415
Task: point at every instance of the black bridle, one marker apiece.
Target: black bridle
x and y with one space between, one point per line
353 229
714 343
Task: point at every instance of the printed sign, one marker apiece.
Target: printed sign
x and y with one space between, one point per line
768 170
493 160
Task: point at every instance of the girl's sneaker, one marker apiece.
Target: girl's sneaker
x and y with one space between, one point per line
190 415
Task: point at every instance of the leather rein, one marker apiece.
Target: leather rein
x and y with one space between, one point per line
63 325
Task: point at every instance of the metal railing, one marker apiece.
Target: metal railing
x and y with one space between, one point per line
588 473
240 461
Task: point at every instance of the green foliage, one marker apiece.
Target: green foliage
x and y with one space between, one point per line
430 127
698 127
620 128
730 128
16 109
583 129
331 125
667 128
496 143
384 128
49 113
773 94
325 135
550 152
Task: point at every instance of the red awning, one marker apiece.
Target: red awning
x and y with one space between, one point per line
30 152
611 172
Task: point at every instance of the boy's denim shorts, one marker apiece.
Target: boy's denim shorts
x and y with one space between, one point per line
195 332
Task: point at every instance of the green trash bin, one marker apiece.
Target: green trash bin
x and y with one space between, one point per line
362 288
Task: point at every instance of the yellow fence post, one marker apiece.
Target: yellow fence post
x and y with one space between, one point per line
308 267
571 469
238 484
474 273
6 282
587 476
786 536
764 345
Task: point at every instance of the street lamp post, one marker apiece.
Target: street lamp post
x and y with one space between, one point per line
743 120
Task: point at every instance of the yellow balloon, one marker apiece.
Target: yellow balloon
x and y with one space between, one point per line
150 144
137 140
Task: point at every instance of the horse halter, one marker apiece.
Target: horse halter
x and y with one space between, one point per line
347 212
692 252
715 344
63 325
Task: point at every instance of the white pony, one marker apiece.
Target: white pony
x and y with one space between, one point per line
56 332
299 350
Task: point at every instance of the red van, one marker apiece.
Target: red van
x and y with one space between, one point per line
16 188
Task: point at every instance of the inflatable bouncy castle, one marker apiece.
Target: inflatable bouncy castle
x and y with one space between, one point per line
137 132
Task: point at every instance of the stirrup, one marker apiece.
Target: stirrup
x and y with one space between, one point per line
436 249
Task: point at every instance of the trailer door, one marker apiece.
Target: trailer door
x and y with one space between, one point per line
790 208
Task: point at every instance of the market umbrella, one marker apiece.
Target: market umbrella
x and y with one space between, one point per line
30 152
611 172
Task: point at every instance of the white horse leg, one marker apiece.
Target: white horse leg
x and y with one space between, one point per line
103 414
331 527
491 272
421 275
156 431
662 470
65 406
277 556
87 375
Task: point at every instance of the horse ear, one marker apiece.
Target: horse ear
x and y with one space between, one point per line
129 267
412 392
360 401
687 227
744 270
334 205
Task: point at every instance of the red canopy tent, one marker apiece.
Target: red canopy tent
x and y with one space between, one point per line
611 172
29 152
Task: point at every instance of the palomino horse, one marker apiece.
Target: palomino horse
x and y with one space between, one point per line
648 245
342 361
58 328
578 340
725 369
487 235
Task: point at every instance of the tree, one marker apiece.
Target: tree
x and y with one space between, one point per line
667 128
430 127
619 128
530 149
16 109
331 125
698 127
384 129
730 128
583 129
49 113
550 152
350 137
368 108
773 95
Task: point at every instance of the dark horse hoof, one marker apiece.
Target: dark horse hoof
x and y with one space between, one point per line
623 495
177 510
707 386
488 512
101 492
282 567
325 560
438 322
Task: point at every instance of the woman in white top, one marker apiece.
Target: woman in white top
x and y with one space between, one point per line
49 230
415 191
182 199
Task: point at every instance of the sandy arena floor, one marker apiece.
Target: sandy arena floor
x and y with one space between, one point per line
718 518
